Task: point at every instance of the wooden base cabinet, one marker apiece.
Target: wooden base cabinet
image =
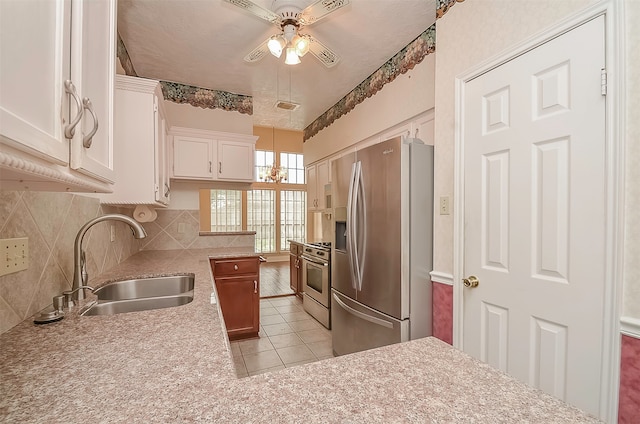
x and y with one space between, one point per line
238 287
295 268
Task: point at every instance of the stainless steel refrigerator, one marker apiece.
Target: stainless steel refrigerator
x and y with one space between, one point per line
382 255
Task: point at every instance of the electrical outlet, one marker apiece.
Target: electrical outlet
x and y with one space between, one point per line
112 233
444 205
14 255
180 227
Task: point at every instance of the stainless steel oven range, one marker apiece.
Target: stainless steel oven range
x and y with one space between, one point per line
316 281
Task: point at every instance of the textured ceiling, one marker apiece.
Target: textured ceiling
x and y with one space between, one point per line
203 43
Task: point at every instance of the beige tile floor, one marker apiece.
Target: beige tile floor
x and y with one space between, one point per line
288 337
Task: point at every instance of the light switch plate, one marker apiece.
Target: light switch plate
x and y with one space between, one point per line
14 255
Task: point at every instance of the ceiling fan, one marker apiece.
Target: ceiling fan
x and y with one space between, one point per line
289 18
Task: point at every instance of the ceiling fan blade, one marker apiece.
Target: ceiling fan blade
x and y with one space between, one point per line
258 53
319 10
322 52
260 12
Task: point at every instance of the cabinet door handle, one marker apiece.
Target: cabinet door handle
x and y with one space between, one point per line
88 139
219 167
235 267
255 286
167 190
210 167
70 129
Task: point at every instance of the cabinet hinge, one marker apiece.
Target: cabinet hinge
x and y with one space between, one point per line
155 104
603 81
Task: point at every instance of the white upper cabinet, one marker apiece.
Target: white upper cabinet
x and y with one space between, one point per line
317 176
140 154
235 160
58 62
35 50
193 157
212 155
93 69
421 126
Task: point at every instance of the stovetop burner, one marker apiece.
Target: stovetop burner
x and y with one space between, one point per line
326 244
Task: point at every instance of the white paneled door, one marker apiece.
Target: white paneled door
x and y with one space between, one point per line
534 214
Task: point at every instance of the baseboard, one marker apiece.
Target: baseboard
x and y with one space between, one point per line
630 327
441 277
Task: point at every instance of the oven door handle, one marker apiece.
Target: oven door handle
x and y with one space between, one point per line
308 259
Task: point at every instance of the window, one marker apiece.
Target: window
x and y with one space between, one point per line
295 167
293 206
261 218
264 159
275 211
226 210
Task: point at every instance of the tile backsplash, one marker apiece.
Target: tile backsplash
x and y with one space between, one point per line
179 229
51 221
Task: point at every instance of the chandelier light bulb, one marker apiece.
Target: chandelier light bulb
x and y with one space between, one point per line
276 44
292 57
301 44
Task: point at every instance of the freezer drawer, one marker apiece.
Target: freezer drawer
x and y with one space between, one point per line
356 327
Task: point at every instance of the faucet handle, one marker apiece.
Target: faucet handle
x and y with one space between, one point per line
68 294
68 298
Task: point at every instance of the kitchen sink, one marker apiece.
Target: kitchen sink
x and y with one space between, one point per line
142 294
146 287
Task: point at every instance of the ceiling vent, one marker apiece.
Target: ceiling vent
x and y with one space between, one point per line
281 104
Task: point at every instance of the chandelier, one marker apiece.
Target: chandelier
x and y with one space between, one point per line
273 173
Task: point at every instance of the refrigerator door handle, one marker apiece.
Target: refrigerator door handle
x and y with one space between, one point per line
350 225
362 315
361 220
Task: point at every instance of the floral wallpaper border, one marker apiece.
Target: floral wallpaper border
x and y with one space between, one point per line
195 96
205 98
444 6
402 62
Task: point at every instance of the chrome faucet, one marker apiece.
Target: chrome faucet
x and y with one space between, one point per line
80 276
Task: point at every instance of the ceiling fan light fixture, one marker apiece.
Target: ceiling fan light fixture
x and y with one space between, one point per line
276 44
292 57
301 44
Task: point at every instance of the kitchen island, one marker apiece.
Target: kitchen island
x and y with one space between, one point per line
174 365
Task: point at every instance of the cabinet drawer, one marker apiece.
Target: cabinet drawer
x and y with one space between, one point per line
231 267
295 249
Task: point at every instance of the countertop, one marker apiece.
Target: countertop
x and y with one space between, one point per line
174 365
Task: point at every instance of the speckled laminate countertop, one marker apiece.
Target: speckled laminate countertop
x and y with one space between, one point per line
173 365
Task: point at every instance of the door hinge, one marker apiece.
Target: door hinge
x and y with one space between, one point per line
603 81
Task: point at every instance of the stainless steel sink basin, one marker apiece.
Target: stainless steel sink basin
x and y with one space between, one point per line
142 294
146 287
136 305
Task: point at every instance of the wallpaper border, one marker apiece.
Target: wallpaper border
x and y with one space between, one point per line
403 61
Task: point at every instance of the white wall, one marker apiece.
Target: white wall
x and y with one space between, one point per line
185 115
407 96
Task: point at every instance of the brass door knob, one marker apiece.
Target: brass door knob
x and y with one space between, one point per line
471 282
